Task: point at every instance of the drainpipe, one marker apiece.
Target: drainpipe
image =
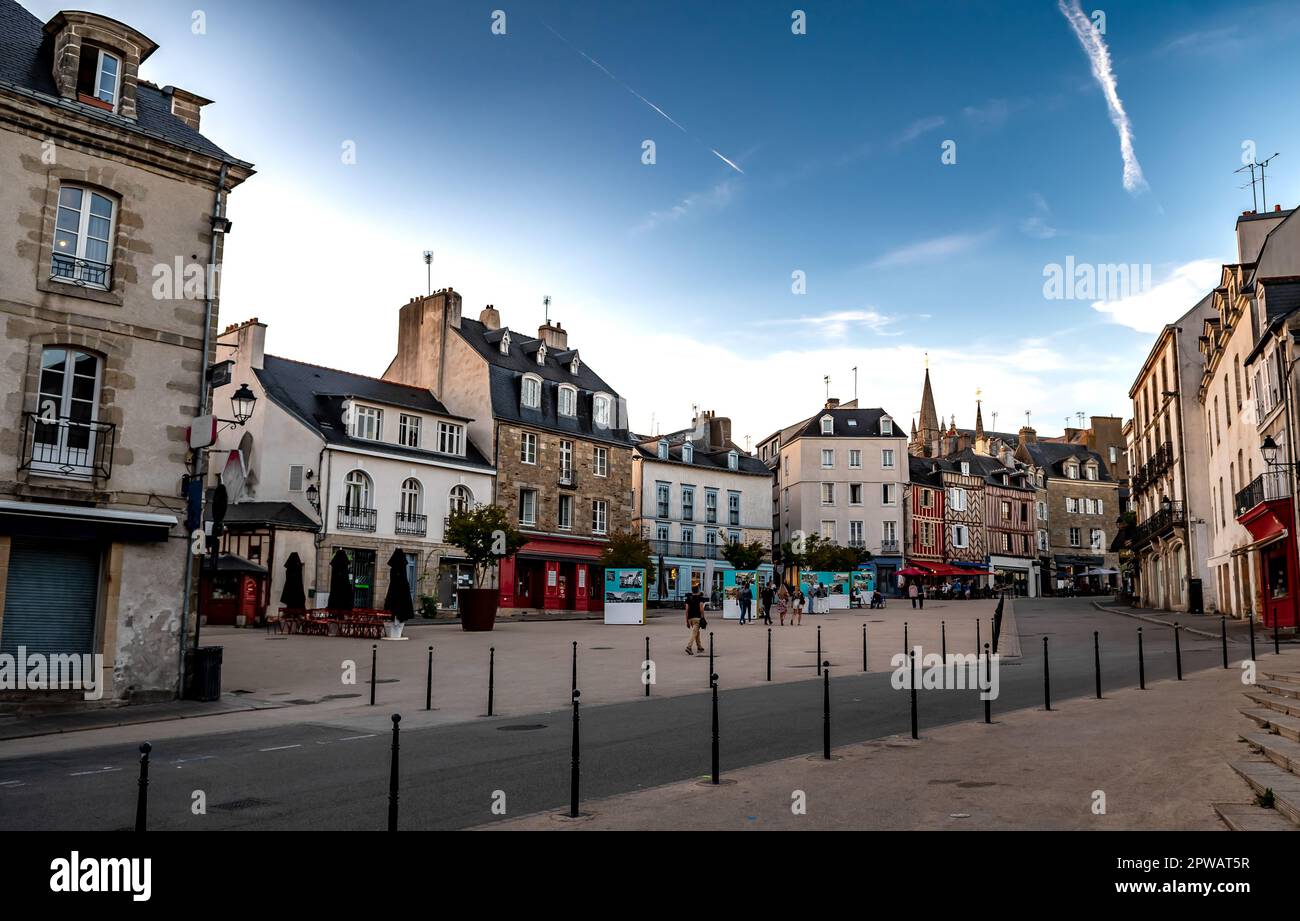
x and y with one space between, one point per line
1182 471
1288 411
196 464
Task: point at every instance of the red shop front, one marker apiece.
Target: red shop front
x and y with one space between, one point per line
1275 547
553 574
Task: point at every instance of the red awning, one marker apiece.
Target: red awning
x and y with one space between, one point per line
560 549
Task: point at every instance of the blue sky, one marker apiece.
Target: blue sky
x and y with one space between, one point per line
519 162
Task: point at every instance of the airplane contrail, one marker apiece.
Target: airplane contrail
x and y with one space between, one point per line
674 122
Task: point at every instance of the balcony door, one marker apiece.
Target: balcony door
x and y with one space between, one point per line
67 407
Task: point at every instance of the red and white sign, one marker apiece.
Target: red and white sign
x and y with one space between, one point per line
203 432
233 475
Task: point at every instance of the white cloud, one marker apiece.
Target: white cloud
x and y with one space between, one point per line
917 128
1036 225
1148 311
929 250
991 114
840 322
1099 58
712 199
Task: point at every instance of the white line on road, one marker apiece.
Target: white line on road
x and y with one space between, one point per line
279 748
12 783
180 761
369 735
103 770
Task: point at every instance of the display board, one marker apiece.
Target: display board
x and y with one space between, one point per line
732 582
625 596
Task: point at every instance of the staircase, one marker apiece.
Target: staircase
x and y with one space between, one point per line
1274 738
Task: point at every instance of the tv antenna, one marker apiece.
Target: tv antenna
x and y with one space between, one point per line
827 381
546 307
995 421
855 383
1028 413
1079 416
1263 183
428 271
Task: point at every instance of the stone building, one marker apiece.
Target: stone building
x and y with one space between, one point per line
696 490
109 253
333 461
840 473
557 431
1082 505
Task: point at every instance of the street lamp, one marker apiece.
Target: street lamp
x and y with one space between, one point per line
1269 449
313 496
243 403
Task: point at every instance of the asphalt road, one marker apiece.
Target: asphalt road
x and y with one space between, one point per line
315 776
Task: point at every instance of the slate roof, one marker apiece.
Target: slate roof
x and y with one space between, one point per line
648 448
272 514
315 395
924 470
505 381
27 62
846 423
991 469
1051 456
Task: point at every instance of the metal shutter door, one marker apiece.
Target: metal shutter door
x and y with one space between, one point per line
51 598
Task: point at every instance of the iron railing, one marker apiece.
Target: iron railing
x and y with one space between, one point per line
568 477
417 525
84 272
356 519
691 550
889 548
60 446
1275 484
1163 522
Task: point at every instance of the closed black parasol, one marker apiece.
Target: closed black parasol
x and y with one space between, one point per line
398 600
340 583
292 595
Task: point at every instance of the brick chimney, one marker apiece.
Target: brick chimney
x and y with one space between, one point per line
248 339
1252 228
1028 435
554 335
186 105
490 317
832 403
423 327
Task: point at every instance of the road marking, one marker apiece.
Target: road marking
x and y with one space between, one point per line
279 748
180 761
12 783
369 735
103 770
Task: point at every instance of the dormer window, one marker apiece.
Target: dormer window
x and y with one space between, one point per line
531 394
505 343
367 423
99 77
828 425
575 366
733 460
965 468
688 453
1091 471
541 354
568 401
663 450
1072 471
886 425
600 411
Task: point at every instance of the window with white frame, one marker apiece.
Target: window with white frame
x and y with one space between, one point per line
965 468
528 448
889 493
67 406
1042 540
1042 511
688 503
83 238
888 531
733 508
367 422
566 458
828 458
960 536
505 343
855 494
408 430
887 458
1075 537
541 354
927 534
600 462
688 453
357 491
564 513
99 75
855 534
412 498
600 411
733 537
460 499
957 499
711 506
1097 540
828 425
828 530
663 450
828 494
733 460
531 395
855 458
661 500
568 401
451 438
528 507
1100 511
599 516
1071 504
886 426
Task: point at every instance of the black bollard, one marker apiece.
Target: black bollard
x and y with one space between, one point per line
864 647
906 649
943 642
374 664
1047 679
1223 636
978 644
1277 650
769 653
1252 634
1178 651
428 683
713 683
988 685
392 779
912 682
826 710
1096 660
492 675
574 761
1142 665
710 655
647 658
574 684
142 796
819 649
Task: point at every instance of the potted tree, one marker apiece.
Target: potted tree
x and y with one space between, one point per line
486 536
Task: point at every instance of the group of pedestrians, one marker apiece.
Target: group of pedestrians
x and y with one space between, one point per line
769 595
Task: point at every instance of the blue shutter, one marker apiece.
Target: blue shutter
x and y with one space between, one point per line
51 598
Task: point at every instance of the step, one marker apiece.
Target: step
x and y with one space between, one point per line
1265 775
1281 688
1288 727
1281 704
1289 678
1282 752
1248 817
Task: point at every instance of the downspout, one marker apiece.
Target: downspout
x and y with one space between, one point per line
1182 471
1288 411
196 463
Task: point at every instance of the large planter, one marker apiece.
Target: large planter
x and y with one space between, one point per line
478 609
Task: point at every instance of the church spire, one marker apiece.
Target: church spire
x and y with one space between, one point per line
930 428
981 439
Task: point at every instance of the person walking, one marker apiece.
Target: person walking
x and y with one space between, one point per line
746 598
766 597
912 593
695 620
796 612
782 603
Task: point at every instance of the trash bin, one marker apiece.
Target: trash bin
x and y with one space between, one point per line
205 673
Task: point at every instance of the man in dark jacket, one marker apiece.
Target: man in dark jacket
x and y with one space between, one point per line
694 614
768 596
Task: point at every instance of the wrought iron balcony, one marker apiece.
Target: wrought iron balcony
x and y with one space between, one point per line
356 519
690 550
84 272
568 477
889 548
1275 484
417 525
60 446
1163 522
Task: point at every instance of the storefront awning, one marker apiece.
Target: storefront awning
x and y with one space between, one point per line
1260 544
560 550
46 519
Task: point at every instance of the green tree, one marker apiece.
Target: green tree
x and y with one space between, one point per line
744 557
628 550
485 535
822 555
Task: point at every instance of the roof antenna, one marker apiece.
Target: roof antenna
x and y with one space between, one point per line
855 383
428 271
546 306
995 421
1263 185
827 381
1254 203
1080 417
1030 412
